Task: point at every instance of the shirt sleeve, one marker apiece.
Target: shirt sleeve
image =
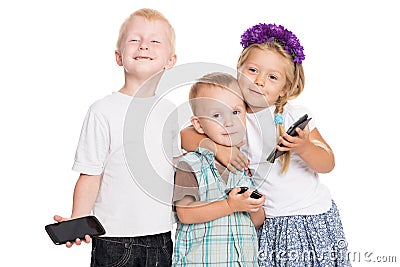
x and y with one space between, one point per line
185 182
93 145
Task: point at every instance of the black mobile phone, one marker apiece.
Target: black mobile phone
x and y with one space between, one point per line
255 194
62 232
300 123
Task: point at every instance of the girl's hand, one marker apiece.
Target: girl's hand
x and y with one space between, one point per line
243 202
232 158
311 147
297 144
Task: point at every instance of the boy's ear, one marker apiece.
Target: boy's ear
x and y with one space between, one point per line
118 57
196 124
171 62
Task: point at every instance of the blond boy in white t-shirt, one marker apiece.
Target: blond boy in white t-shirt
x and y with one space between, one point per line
138 225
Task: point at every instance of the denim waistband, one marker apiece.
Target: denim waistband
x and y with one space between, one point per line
156 240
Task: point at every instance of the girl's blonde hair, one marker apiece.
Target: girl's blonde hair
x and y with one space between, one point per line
293 87
149 14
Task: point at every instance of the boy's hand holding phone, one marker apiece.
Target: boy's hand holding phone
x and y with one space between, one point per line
73 231
240 199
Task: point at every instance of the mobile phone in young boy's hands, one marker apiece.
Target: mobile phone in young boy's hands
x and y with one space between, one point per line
255 194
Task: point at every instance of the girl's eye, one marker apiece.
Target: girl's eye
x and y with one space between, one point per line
253 70
135 40
272 77
236 112
216 115
155 42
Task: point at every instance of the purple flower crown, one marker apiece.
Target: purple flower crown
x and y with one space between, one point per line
262 33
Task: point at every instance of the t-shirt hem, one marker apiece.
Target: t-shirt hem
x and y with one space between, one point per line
302 212
138 233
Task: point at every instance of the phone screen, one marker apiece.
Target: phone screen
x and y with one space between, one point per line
61 233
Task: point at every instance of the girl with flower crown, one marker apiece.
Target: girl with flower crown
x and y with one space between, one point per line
302 225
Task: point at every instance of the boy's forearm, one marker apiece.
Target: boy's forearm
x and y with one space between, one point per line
258 217
199 212
85 194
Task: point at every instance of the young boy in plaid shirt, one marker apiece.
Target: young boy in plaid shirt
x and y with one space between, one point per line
216 227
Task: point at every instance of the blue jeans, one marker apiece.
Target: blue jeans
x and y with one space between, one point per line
142 251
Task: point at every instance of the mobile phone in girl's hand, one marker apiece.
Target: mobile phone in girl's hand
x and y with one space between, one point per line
300 123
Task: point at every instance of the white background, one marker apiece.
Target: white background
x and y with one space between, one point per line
57 57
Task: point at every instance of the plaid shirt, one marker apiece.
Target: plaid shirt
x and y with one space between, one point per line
227 241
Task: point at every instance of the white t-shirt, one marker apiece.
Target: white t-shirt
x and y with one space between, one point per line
299 190
120 136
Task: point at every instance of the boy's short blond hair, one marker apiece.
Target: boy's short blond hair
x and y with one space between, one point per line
149 14
210 80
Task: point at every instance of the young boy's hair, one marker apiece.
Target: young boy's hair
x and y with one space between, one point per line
149 14
220 79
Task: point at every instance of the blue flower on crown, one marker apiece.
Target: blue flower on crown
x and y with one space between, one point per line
262 33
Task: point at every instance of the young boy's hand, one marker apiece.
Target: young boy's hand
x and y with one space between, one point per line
78 241
243 202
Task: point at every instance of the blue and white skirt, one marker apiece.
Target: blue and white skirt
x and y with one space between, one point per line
303 240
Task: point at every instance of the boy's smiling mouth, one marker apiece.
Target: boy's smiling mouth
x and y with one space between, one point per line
227 134
142 58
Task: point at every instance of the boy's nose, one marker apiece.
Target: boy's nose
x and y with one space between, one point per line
143 46
228 122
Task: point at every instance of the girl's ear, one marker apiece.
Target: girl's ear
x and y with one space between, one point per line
118 57
197 125
283 91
